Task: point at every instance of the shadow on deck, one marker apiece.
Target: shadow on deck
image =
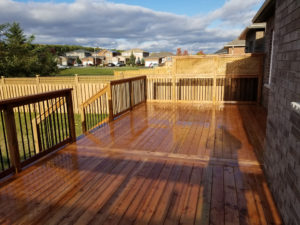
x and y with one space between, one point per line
159 164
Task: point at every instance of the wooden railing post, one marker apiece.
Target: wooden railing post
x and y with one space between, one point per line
110 105
71 116
83 121
145 88
131 95
37 82
11 132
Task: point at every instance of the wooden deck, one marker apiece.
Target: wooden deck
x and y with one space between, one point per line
159 164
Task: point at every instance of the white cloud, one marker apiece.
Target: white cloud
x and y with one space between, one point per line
110 25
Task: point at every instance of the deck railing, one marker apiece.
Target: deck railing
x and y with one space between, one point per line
127 93
116 98
33 126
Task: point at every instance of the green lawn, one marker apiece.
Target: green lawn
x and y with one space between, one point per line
95 70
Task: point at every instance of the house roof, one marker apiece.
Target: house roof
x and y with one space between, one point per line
265 11
136 50
79 50
254 26
236 43
221 51
160 54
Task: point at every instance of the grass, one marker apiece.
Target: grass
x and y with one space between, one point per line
94 70
28 150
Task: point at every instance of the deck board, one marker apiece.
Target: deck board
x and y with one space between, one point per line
161 163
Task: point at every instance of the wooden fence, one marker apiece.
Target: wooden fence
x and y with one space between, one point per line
210 78
83 86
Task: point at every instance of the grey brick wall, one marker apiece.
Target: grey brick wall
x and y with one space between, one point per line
282 155
268 43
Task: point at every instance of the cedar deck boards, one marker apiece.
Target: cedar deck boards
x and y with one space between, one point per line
159 164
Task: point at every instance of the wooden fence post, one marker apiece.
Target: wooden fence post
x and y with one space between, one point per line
37 81
215 80
4 92
71 116
83 121
131 95
145 88
110 105
11 132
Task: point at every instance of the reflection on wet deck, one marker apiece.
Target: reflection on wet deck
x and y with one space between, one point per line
159 164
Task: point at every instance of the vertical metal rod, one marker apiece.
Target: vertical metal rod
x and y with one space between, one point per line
65 118
61 119
45 127
21 130
57 118
33 139
25 120
49 117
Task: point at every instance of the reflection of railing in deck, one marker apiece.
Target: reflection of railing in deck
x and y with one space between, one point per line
33 126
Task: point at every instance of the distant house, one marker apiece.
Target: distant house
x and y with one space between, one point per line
109 56
91 60
80 53
66 61
138 53
255 38
158 58
266 14
235 47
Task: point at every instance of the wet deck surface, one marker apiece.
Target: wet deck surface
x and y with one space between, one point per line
159 164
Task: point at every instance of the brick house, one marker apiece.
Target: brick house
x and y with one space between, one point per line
235 47
255 38
282 81
266 15
80 53
138 53
109 56
92 60
158 58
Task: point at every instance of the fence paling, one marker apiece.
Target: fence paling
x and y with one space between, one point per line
33 126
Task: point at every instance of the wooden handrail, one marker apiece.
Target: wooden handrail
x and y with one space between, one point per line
19 101
95 96
114 82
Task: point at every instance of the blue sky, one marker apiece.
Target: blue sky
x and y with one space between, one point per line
154 25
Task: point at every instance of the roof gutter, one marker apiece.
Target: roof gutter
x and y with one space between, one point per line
259 16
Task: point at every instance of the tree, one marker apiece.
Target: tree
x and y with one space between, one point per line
138 62
143 61
132 59
200 53
19 57
78 61
178 52
3 52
